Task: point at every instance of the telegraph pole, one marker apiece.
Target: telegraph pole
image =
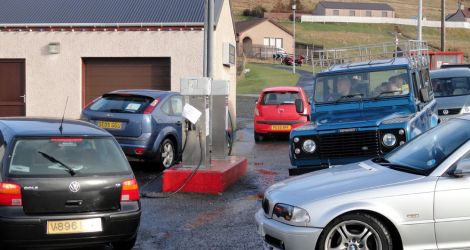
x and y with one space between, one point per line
443 25
294 6
208 39
420 19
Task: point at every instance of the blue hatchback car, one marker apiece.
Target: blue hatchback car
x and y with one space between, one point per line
146 123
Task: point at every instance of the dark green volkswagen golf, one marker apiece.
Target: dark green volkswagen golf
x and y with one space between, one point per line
64 184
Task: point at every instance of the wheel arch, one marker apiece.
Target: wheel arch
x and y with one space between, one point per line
396 237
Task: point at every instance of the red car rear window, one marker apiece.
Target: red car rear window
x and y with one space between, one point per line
277 98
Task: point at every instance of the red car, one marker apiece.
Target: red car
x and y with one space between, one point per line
275 111
289 60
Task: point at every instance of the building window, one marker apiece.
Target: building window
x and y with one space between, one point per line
273 42
352 13
369 13
384 14
335 12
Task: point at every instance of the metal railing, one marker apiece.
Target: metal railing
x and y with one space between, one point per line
416 52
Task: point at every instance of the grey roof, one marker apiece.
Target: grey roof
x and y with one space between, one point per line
450 72
459 16
104 11
356 6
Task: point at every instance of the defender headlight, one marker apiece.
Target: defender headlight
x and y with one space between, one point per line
290 214
309 146
389 140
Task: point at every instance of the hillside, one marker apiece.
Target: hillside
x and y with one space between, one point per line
403 8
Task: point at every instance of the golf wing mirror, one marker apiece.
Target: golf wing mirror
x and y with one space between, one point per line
299 106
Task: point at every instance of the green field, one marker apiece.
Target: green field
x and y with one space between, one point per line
334 35
263 75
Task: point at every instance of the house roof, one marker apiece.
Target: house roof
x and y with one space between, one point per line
138 12
459 16
356 6
243 26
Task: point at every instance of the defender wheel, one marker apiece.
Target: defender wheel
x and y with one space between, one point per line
167 153
258 137
124 245
356 232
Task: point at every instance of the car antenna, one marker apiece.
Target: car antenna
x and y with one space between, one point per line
63 115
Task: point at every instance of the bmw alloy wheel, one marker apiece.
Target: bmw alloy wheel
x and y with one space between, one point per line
353 235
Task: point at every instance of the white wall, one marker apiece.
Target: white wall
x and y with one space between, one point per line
51 78
401 21
225 33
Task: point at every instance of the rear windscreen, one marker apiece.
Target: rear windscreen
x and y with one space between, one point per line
56 156
121 104
277 98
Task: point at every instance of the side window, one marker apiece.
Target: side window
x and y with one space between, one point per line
177 105
416 86
427 81
166 107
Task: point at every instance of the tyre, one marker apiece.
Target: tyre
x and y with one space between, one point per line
356 232
124 245
167 153
258 137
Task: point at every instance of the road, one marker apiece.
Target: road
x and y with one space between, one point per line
195 221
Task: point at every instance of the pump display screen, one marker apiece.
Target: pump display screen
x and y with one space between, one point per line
362 85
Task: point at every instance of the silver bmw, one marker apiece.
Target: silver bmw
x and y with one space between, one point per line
416 197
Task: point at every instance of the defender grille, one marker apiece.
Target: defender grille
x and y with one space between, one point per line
265 205
449 111
336 145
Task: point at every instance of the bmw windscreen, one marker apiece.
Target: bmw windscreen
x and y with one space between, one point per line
423 154
362 85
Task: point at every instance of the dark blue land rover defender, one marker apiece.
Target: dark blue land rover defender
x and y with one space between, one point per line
365 108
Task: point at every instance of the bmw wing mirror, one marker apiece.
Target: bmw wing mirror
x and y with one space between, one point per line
299 106
462 169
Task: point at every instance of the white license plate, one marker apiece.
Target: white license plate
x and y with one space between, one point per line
74 226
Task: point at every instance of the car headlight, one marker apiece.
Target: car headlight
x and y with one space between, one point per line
466 110
290 214
389 140
309 146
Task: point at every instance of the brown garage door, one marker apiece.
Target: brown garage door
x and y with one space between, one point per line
12 88
102 75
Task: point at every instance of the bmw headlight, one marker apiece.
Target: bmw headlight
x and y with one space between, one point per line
309 146
389 140
290 214
466 110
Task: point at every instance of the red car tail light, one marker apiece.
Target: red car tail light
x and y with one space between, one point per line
10 194
256 112
130 190
151 107
139 151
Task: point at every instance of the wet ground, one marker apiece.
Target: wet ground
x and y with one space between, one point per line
195 221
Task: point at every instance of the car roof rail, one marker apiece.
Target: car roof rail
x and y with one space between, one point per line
415 51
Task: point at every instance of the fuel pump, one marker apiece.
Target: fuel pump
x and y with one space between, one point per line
205 110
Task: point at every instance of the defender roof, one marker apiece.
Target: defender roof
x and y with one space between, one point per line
397 62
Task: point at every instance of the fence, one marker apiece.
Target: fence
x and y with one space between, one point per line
381 20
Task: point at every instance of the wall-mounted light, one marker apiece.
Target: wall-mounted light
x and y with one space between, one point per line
54 48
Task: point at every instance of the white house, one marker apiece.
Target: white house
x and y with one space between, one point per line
80 49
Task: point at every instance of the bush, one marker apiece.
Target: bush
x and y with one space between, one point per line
257 11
